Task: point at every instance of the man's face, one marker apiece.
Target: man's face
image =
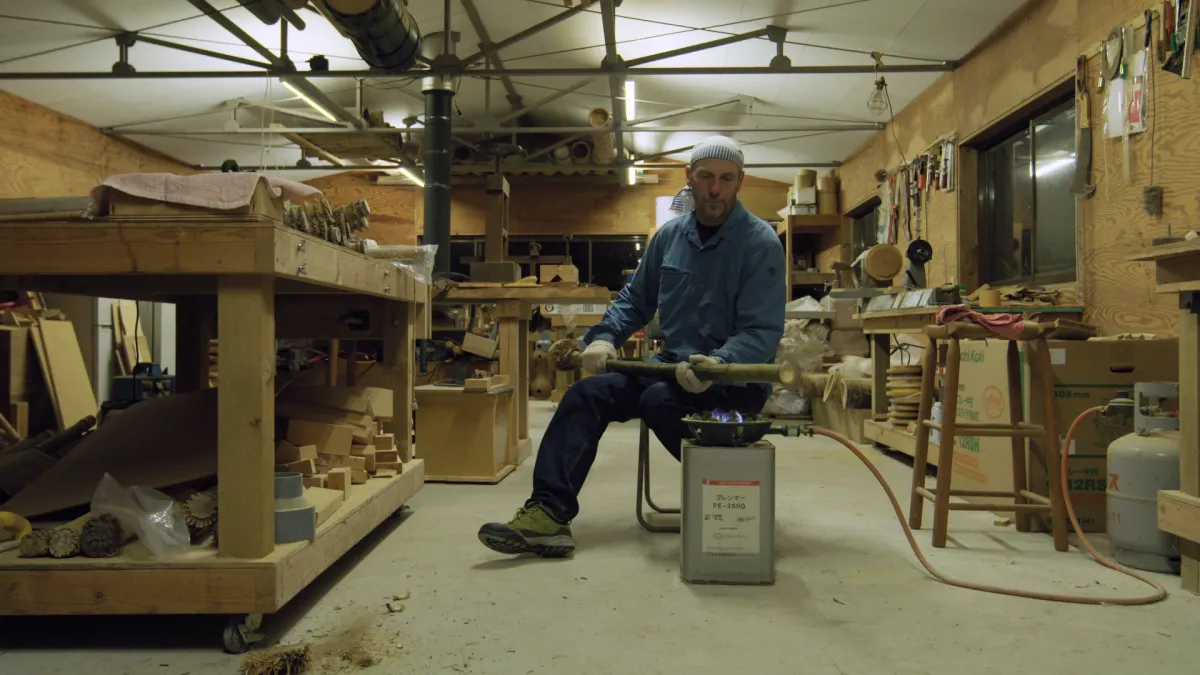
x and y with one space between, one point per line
715 184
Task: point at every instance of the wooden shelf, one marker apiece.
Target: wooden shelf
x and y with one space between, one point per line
810 221
803 278
200 582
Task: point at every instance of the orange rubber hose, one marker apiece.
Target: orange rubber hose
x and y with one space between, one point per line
1001 590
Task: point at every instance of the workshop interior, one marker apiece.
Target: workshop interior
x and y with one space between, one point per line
292 290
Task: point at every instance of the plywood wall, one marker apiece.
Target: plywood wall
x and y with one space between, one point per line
1034 52
550 206
47 154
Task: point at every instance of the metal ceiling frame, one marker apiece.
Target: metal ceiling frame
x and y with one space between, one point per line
616 89
493 55
856 126
461 71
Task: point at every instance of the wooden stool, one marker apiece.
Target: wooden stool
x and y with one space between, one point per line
1025 502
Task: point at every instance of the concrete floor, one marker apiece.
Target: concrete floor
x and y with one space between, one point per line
850 597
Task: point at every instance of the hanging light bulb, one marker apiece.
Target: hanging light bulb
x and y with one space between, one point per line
878 104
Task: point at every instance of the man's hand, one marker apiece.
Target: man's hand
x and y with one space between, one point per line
687 377
596 354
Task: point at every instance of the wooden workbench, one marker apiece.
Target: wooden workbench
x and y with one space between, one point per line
1177 270
514 306
879 327
247 282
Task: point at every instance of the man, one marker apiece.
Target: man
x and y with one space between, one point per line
715 276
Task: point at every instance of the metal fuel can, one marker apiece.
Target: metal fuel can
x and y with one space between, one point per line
728 528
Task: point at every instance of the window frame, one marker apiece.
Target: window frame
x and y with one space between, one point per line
1023 122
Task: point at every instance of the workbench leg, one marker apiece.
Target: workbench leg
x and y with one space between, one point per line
335 346
513 317
523 390
1189 428
881 344
195 327
246 416
398 369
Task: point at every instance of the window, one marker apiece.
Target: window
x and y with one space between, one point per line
1027 217
867 230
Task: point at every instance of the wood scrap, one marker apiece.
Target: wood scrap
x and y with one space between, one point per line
67 374
385 473
325 501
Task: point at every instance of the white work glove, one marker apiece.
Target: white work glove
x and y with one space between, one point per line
596 354
686 377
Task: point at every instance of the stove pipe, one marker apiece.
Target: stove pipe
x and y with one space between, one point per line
439 106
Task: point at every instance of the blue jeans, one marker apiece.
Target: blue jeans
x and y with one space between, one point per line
569 445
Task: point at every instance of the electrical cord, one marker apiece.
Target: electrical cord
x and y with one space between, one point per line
1160 592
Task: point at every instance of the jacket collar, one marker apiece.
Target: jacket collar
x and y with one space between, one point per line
735 221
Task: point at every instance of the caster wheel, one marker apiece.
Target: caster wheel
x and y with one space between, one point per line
233 641
240 633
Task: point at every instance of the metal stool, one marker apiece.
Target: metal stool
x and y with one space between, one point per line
643 485
1025 503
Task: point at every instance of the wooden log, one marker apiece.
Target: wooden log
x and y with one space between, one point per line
103 537
36 544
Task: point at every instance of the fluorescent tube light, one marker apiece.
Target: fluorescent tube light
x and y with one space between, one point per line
303 97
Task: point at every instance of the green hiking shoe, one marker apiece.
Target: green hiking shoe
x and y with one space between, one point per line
532 530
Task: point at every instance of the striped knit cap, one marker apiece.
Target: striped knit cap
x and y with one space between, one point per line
718 147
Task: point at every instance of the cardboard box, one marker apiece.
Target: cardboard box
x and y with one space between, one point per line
558 273
1086 374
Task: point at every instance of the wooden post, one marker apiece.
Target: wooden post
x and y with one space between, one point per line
398 367
246 416
916 505
941 504
1015 410
1058 508
880 360
1189 427
495 245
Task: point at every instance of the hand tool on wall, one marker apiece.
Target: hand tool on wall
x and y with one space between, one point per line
565 355
1083 117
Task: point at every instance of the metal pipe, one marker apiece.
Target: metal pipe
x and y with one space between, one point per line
528 32
732 39
715 129
940 67
572 169
236 30
608 12
514 98
681 111
202 52
439 148
544 101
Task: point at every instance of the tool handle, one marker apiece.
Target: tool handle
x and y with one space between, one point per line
780 373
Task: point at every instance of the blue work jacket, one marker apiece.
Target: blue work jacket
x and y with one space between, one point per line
723 298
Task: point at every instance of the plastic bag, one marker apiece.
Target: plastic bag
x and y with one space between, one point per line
415 261
154 517
803 345
786 402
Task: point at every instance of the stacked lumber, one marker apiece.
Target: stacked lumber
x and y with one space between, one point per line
44 382
333 436
130 345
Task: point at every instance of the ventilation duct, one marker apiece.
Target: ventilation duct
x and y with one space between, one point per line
604 152
383 32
